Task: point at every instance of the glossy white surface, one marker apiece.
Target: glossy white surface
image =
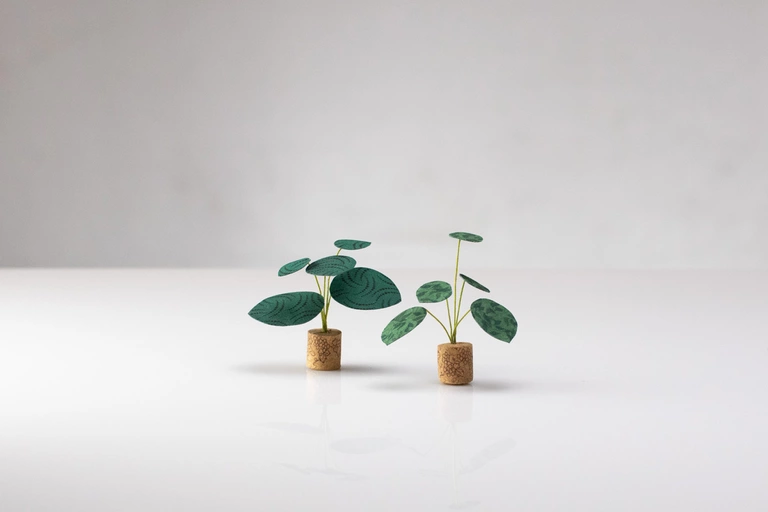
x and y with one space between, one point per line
152 390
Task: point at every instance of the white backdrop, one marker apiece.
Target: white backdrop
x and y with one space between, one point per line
569 134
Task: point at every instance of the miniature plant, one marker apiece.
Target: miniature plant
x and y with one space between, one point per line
491 316
351 286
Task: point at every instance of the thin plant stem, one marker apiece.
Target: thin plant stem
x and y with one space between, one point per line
450 320
325 303
458 311
441 323
455 281
461 296
328 298
323 312
326 293
460 319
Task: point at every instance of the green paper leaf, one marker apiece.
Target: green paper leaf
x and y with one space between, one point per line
494 319
351 245
402 324
294 266
434 291
472 282
286 309
364 288
331 265
466 237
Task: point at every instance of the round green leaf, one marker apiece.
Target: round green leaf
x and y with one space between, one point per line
294 308
402 324
331 265
472 282
466 237
494 319
364 288
294 266
351 245
434 291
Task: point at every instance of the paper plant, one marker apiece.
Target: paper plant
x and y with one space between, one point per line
351 286
491 316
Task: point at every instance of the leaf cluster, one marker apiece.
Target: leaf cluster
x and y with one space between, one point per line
491 316
351 286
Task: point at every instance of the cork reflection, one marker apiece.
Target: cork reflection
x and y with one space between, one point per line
323 390
455 405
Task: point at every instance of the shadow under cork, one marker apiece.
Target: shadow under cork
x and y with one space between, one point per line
293 369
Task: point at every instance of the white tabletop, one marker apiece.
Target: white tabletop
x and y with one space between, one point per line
152 390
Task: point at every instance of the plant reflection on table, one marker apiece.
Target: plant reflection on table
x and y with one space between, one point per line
323 388
455 406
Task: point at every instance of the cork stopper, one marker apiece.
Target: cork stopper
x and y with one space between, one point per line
324 349
454 363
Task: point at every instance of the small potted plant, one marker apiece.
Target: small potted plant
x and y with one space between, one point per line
454 359
351 286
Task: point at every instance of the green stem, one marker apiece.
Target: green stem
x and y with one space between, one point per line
328 298
323 313
325 291
455 281
460 319
461 296
441 323
450 320
325 304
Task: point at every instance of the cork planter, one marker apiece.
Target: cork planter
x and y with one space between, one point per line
454 363
324 349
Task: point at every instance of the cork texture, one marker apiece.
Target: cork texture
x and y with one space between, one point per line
454 363
324 349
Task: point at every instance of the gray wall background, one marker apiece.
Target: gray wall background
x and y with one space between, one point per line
569 134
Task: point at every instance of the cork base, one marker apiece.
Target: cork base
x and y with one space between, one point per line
324 349
454 363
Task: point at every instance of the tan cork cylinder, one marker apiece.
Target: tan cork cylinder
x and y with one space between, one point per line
324 349
454 363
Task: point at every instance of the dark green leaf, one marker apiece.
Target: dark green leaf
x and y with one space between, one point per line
466 237
331 265
294 308
364 288
402 324
434 291
494 319
294 266
351 245
472 282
